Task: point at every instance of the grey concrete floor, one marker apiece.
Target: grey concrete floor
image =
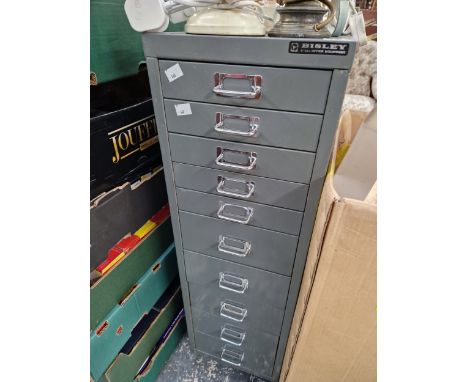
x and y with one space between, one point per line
186 366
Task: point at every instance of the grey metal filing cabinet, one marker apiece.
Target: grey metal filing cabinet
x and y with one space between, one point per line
246 126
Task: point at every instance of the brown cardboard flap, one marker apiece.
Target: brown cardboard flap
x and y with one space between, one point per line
371 197
357 172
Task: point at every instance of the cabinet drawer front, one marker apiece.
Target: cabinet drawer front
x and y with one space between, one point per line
296 131
252 314
241 211
239 281
257 363
294 166
235 333
242 187
303 90
256 247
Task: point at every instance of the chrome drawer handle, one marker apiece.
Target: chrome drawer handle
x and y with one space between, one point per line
231 335
253 125
240 248
222 189
233 312
232 357
242 219
232 282
255 84
221 160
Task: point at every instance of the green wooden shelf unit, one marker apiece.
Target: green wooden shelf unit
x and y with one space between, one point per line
116 49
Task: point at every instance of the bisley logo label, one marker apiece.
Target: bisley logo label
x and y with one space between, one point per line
302 47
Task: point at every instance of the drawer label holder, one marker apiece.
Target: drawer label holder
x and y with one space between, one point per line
183 109
174 72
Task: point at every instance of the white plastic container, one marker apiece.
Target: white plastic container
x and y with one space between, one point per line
145 15
231 22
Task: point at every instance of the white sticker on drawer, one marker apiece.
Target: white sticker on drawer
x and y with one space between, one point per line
183 109
174 72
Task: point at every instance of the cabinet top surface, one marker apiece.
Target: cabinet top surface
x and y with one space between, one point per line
324 53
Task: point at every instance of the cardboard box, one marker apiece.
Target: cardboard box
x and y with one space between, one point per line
125 366
164 352
123 210
115 330
124 140
110 288
333 334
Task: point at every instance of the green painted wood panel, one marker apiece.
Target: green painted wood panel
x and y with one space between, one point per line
116 49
